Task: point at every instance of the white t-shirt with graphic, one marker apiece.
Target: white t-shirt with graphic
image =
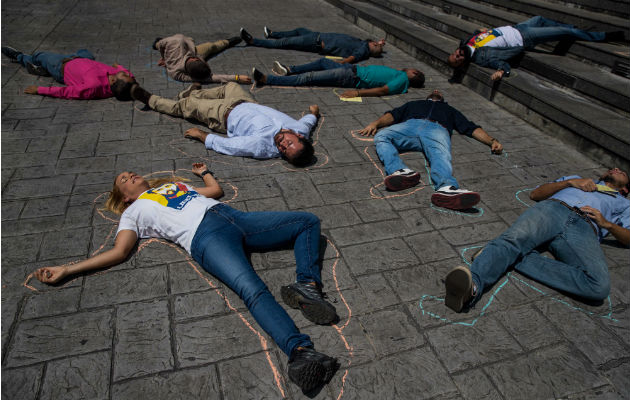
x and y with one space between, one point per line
172 211
504 36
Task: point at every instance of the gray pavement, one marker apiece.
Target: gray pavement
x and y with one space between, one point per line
158 327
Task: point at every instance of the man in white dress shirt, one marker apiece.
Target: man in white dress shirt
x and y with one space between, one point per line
253 130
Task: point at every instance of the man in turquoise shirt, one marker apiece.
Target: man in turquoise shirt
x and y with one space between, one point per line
371 80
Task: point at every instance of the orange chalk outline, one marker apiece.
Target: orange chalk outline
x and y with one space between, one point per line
373 189
263 342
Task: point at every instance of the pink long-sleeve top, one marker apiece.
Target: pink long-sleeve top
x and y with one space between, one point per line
85 79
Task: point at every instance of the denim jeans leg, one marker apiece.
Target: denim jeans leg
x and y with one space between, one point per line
342 76
218 248
306 42
540 30
436 143
320 64
52 62
537 225
394 139
269 230
294 32
580 265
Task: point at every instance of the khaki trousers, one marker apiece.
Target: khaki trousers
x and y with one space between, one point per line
205 50
205 105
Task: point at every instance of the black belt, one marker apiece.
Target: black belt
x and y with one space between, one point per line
579 212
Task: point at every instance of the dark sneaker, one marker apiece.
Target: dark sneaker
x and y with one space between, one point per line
279 69
36 70
310 300
233 41
258 76
615 36
459 287
267 32
455 199
310 369
247 38
402 179
139 94
155 42
10 52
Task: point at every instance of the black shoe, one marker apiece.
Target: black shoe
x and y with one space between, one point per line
310 300
157 39
309 369
233 41
139 94
11 52
616 36
247 38
459 288
259 77
267 32
36 70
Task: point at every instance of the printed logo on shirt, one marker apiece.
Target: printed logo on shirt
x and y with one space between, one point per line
173 195
483 38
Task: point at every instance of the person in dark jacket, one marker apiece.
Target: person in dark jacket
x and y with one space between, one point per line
351 49
426 125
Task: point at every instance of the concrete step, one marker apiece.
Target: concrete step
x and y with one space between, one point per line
619 8
562 13
605 54
577 120
603 86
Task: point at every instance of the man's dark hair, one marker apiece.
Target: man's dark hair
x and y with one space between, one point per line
122 89
417 81
198 70
305 157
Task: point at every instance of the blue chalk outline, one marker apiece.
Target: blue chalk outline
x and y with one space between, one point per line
519 199
497 290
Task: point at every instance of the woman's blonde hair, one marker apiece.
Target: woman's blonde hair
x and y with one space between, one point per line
116 203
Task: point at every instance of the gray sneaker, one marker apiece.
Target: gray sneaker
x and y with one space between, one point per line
279 69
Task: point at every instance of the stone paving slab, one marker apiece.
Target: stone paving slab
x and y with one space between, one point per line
159 327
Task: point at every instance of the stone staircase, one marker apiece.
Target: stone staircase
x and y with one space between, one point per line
582 97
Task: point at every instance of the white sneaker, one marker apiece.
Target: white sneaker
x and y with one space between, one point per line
267 32
402 179
455 199
279 69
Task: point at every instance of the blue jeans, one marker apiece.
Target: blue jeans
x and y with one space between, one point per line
580 266
220 245
417 135
323 72
52 62
538 30
297 39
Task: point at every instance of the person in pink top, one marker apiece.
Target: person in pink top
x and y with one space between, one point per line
84 78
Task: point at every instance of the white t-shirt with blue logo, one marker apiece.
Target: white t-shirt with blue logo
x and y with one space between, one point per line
172 211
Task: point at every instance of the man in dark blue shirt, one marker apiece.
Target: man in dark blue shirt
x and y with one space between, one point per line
334 44
426 125
572 215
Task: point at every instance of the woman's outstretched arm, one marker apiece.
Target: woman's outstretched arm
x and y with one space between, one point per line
212 188
125 240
